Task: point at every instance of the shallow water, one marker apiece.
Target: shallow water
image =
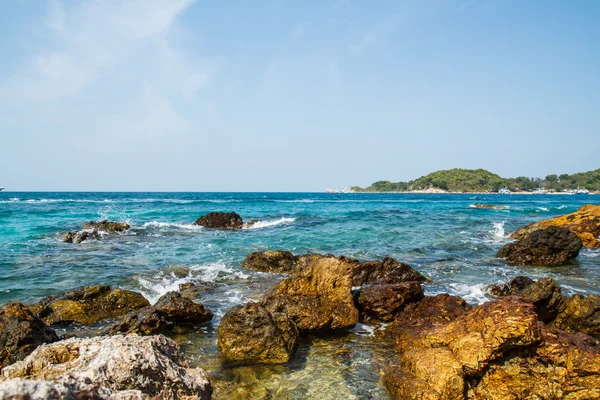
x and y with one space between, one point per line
440 235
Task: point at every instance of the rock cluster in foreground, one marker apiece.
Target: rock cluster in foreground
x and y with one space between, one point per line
117 367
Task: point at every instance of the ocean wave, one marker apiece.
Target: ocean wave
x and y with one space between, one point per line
161 282
266 224
498 230
471 293
172 225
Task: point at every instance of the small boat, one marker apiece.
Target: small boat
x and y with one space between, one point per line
504 191
331 191
1 188
579 191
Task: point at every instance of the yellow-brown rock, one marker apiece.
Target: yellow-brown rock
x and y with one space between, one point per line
318 297
88 305
584 222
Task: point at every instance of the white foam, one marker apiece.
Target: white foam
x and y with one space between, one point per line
363 330
498 230
561 207
171 225
471 293
542 209
265 224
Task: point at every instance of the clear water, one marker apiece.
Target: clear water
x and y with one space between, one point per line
440 235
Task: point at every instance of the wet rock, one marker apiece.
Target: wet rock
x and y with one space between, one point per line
563 366
88 305
221 220
250 334
547 298
117 367
584 222
271 261
548 246
383 302
511 288
250 224
317 297
171 312
21 331
387 271
489 206
195 290
93 231
580 314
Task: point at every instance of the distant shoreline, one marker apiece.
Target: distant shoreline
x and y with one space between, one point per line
444 192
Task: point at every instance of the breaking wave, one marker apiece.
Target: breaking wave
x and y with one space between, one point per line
266 224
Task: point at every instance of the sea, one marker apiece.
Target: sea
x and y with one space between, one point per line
441 235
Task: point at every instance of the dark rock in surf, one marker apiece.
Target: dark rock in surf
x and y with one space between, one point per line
93 231
271 261
511 288
387 271
221 220
549 246
383 302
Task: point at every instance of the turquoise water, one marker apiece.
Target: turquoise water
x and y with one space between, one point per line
440 235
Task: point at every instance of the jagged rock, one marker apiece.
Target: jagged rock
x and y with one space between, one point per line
511 288
21 331
383 302
548 246
387 271
93 231
562 367
489 206
193 290
584 222
271 261
580 314
88 305
250 224
318 297
171 312
250 334
546 297
221 220
117 367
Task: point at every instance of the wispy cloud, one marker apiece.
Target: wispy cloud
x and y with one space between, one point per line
379 31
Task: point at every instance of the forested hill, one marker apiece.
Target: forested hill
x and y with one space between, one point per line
480 180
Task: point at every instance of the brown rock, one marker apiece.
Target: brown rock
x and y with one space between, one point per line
271 261
88 305
580 314
546 297
106 226
584 222
221 220
21 331
387 271
511 288
171 312
317 297
547 246
489 206
250 334
383 302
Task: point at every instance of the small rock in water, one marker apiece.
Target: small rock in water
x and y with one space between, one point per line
93 231
271 261
21 331
117 367
511 288
489 206
221 220
548 246
250 334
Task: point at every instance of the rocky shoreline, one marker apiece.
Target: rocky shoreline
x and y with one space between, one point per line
439 347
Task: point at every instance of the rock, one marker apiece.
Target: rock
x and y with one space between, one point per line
317 297
383 302
123 367
88 305
271 261
171 312
250 224
548 246
584 222
387 271
250 334
511 288
21 331
193 290
546 297
221 220
580 314
93 231
562 367
489 206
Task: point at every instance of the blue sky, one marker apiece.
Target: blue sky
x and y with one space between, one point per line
293 95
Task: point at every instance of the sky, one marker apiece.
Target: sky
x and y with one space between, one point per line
184 95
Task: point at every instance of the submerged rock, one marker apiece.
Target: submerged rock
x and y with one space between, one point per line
317 297
21 331
489 206
117 367
383 302
548 246
584 222
172 311
93 231
250 334
221 220
88 305
271 261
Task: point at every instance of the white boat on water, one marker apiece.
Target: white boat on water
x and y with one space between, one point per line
1 188
578 191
